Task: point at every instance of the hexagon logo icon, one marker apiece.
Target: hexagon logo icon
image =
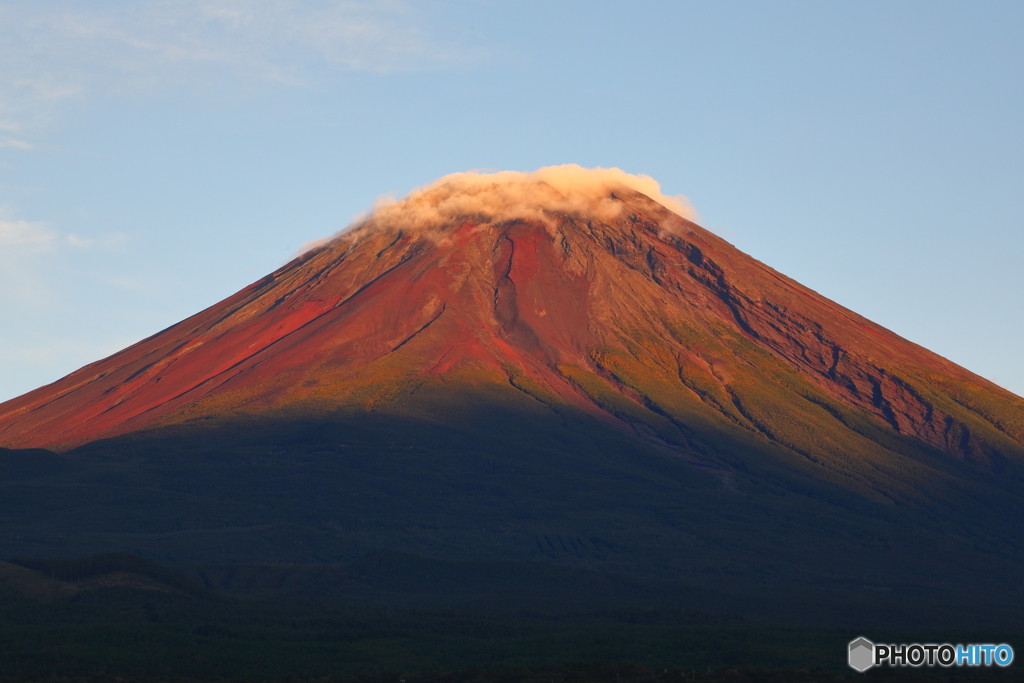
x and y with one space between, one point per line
862 654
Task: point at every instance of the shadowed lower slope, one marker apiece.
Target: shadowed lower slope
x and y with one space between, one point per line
568 490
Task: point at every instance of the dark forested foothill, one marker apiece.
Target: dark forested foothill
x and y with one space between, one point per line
113 621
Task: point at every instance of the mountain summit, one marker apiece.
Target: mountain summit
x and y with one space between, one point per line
566 289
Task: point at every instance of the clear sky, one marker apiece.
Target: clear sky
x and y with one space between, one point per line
155 157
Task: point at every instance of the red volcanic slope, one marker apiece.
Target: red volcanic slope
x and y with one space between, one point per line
641 317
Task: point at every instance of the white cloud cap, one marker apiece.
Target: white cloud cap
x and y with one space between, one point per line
508 195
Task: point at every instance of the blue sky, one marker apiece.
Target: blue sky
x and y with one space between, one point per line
156 157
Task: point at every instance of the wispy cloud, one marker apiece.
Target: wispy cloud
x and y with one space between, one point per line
26 248
53 51
20 236
31 252
14 143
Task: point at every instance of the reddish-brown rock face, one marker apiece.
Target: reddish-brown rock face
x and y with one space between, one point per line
630 313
